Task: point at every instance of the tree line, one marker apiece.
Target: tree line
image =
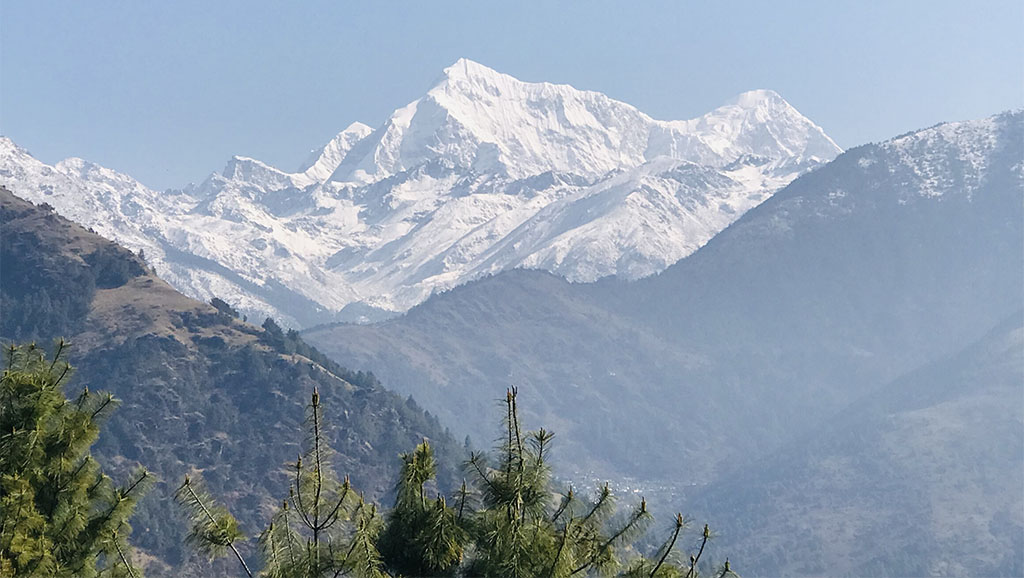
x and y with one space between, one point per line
61 516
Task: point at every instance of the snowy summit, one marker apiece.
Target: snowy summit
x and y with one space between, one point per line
483 173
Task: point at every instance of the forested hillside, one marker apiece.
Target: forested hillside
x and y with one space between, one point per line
920 477
200 389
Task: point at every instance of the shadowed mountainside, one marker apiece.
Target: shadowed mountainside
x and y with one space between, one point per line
921 477
891 256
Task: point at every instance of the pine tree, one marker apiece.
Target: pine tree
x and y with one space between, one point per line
323 528
59 514
508 522
520 533
423 537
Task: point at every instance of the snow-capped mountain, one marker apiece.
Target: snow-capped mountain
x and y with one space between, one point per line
483 173
890 256
491 123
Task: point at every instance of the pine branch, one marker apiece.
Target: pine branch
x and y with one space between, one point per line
604 496
561 545
463 494
124 560
212 532
635 519
671 544
271 547
122 496
515 425
332 517
297 494
565 504
278 543
143 475
109 399
508 403
640 514
541 439
474 460
63 374
695 559
61 344
318 468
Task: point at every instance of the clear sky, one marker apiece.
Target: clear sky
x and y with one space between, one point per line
168 91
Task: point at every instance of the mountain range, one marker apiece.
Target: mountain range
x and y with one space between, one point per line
887 257
819 351
484 173
845 286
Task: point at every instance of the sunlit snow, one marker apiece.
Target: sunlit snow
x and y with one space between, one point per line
482 174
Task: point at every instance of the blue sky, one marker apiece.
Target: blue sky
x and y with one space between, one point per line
168 91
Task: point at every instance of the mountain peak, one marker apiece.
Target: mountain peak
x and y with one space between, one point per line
76 164
465 68
322 162
489 121
357 128
9 147
246 168
242 160
468 79
482 173
762 123
757 98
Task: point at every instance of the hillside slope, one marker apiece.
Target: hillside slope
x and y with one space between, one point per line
921 477
199 388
